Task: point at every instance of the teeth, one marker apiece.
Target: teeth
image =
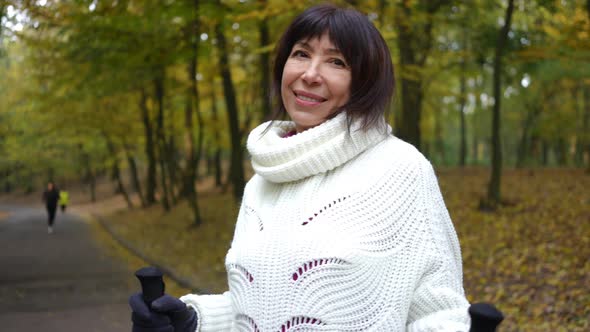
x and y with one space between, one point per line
309 99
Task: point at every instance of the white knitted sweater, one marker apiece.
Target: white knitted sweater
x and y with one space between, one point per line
339 232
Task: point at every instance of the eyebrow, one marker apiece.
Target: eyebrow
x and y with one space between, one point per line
333 51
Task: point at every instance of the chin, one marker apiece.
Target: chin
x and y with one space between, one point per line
304 125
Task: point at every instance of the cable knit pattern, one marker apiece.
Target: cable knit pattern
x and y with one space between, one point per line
339 232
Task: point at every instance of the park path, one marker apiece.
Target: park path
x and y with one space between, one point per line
60 282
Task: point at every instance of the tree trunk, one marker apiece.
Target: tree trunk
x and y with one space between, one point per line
533 111
92 181
579 147
475 141
524 143
544 152
7 182
408 128
134 175
237 167
117 170
586 125
264 65
463 100
189 176
159 93
414 43
193 152
89 176
120 186
217 141
439 144
172 167
562 152
150 151
381 9
494 195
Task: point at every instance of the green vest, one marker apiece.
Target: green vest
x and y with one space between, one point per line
63 198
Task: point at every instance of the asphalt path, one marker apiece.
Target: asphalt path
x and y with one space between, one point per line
60 282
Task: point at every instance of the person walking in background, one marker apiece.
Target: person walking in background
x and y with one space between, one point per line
64 199
51 198
343 227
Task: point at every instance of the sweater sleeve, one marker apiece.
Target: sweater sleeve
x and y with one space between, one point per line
439 303
214 312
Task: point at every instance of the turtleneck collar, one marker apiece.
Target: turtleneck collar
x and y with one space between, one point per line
317 150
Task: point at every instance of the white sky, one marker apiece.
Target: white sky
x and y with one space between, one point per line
17 16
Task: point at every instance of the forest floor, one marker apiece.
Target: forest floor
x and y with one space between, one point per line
530 258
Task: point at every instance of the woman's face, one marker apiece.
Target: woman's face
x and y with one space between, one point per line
316 81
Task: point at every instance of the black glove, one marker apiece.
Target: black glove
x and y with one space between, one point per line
182 317
145 320
168 314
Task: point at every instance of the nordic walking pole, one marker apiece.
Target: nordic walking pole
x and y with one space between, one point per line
152 283
484 317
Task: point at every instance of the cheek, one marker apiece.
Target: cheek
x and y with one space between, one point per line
289 74
342 90
284 90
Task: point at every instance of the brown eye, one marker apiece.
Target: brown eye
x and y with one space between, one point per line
339 63
299 54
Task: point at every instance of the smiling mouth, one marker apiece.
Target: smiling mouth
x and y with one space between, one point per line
309 99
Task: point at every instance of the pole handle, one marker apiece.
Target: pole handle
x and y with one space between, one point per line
152 283
484 317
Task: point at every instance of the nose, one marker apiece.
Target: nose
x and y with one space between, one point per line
312 74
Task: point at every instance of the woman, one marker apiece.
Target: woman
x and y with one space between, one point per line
343 227
50 197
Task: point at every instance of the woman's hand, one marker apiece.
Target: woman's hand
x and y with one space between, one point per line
146 320
168 314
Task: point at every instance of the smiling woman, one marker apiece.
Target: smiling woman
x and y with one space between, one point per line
355 62
315 82
343 227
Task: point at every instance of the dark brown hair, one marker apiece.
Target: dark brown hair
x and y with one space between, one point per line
365 51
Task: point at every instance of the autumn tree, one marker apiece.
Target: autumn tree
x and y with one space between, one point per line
233 118
493 195
415 22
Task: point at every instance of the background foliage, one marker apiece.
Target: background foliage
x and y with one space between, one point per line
158 96
77 74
